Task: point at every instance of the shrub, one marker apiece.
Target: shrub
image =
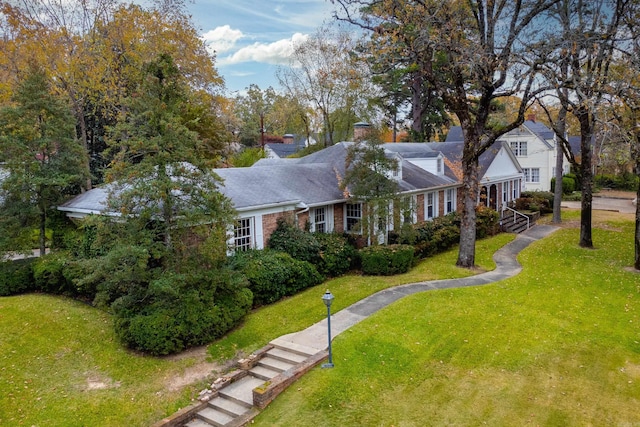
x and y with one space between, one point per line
16 277
436 235
386 260
568 184
535 201
626 181
337 254
273 275
298 243
487 222
49 277
183 310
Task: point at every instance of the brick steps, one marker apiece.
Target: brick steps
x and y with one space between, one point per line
233 403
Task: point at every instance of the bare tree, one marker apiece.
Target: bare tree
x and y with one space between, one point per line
474 53
326 73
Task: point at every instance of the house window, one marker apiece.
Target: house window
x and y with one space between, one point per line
439 166
531 174
449 200
353 215
519 148
430 206
243 239
505 192
320 220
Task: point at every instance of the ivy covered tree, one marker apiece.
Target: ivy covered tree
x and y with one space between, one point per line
41 161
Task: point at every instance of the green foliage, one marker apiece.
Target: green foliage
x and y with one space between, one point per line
536 201
626 181
160 181
181 311
48 274
437 235
337 254
386 260
16 277
568 184
273 275
42 160
300 244
247 157
487 222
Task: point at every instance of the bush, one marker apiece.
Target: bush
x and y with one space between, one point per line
16 277
386 260
337 254
273 275
487 222
626 182
535 201
49 277
298 243
183 310
568 184
436 235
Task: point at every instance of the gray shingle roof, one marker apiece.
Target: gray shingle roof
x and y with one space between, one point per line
312 180
540 130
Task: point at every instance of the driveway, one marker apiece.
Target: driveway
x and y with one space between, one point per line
606 204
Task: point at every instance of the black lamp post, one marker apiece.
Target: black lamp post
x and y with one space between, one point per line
327 298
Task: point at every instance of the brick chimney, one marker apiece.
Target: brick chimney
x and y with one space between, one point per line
361 130
531 117
287 138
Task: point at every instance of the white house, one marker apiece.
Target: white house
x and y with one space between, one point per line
534 145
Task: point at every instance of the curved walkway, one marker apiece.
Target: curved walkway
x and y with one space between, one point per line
315 336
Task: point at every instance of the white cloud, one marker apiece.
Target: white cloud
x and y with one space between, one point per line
222 39
277 52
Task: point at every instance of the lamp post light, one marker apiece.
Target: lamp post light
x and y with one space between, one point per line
327 298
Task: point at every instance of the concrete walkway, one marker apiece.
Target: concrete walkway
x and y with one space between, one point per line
315 336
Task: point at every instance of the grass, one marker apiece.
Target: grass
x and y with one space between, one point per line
61 365
306 308
557 345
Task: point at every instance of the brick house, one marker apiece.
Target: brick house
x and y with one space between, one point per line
308 190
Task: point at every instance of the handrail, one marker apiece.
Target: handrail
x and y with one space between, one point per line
515 212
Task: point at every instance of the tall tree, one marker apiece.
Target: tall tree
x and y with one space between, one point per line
580 64
369 180
473 53
326 74
161 173
42 161
95 49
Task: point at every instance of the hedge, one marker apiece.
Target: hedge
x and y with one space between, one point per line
273 275
182 311
16 277
386 260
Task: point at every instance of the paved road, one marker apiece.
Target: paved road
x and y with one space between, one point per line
606 204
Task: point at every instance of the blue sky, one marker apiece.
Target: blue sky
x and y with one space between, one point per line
252 38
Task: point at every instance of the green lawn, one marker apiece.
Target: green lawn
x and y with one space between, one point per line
61 365
557 345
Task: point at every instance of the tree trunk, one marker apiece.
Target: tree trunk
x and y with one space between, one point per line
636 263
467 251
587 180
43 230
636 153
557 194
